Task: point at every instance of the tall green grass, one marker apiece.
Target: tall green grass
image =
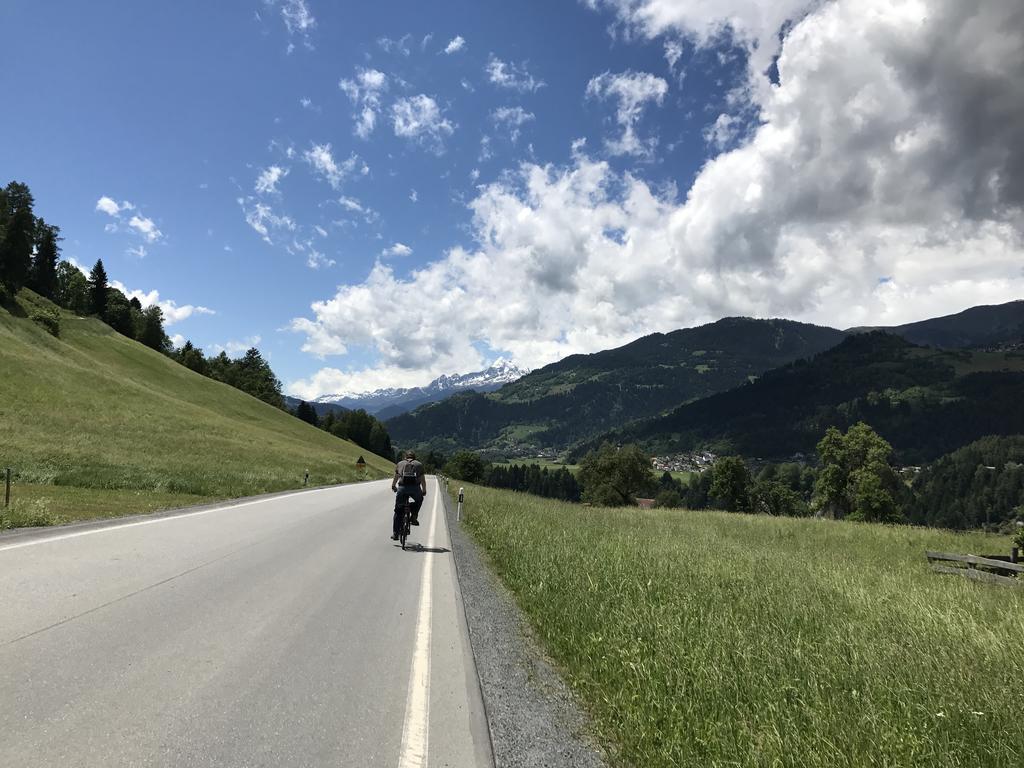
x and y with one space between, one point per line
93 409
35 505
714 639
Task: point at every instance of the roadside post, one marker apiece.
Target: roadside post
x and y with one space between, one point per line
7 486
305 480
458 516
361 468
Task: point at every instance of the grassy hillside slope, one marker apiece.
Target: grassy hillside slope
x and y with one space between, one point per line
95 410
708 638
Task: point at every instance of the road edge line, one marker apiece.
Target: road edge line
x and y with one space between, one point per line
416 726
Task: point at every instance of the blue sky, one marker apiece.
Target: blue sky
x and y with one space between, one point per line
377 193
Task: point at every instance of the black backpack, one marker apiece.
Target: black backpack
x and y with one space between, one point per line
409 474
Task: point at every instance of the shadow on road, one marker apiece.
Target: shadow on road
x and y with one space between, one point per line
424 550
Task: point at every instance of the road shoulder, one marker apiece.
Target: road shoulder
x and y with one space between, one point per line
533 718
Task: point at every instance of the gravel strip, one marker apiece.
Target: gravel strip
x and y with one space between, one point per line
533 718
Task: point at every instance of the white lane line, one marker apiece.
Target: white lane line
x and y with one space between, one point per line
154 521
417 706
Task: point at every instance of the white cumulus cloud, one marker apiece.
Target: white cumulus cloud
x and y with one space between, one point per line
145 227
633 91
111 208
140 225
455 45
266 182
398 249
399 46
420 119
263 220
365 92
882 183
754 24
315 260
673 53
319 156
513 119
512 76
298 20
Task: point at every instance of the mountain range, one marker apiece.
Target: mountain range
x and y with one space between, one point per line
625 393
389 402
584 395
925 401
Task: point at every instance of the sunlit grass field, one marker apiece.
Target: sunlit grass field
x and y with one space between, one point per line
716 639
34 505
95 410
542 463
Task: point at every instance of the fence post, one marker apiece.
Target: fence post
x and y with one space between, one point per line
7 486
458 517
1014 554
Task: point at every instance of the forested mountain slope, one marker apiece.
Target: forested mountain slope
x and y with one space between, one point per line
989 325
925 402
584 395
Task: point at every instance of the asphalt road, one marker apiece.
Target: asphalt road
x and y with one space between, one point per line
288 631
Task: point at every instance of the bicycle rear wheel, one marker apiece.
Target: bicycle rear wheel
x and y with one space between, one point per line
406 514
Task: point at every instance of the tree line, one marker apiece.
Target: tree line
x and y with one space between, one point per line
548 482
979 485
361 428
250 373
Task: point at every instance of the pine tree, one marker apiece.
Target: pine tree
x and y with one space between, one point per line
305 412
379 440
98 289
327 422
151 329
118 314
44 264
193 359
19 225
222 368
255 376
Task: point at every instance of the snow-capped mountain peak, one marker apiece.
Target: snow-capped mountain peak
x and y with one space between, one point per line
500 372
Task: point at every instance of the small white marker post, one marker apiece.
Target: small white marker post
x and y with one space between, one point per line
461 497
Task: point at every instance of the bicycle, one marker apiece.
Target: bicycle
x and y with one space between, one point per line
406 517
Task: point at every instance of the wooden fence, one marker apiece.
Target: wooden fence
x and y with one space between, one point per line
979 568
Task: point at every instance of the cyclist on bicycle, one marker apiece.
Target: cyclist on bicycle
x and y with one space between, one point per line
409 482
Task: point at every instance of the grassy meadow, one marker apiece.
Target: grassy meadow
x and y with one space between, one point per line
97 411
542 463
717 639
33 504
